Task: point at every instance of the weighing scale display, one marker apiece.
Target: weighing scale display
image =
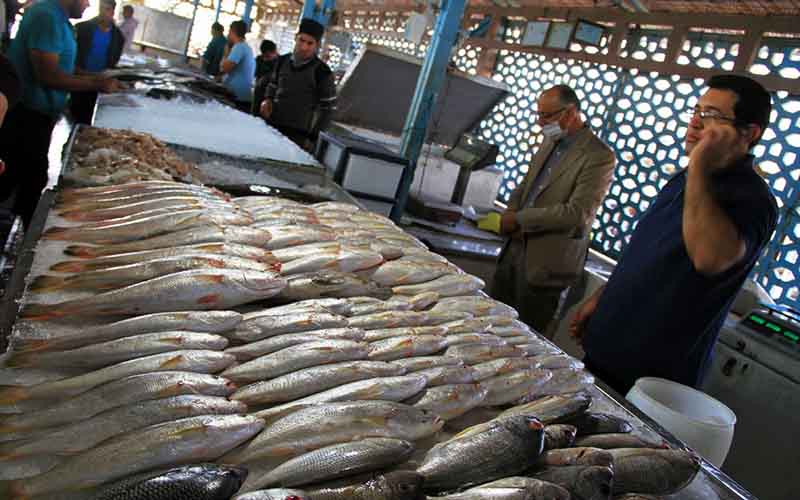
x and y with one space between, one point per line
767 324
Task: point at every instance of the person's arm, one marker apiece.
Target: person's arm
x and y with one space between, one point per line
232 60
46 70
590 189
272 88
326 102
577 326
711 238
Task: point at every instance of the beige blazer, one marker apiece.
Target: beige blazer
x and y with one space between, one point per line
555 230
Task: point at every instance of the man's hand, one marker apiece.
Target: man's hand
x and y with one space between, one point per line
715 150
577 327
109 85
508 222
266 108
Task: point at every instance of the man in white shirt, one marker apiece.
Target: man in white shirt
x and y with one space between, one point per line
128 27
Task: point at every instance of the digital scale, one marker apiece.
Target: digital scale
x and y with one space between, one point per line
779 323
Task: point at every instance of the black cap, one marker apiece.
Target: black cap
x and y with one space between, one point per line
313 28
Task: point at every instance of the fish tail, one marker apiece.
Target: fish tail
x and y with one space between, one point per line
69 266
82 251
59 233
42 312
12 395
47 283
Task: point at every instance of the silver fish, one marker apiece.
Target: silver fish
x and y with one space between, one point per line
274 494
422 362
126 391
558 362
476 324
347 260
583 482
479 306
553 409
273 344
192 236
34 335
291 235
370 308
313 380
502 448
201 361
336 461
405 347
521 340
336 306
562 382
191 439
511 488
289 254
450 401
389 319
297 357
507 388
166 203
576 456
406 331
116 351
509 331
397 272
474 338
449 285
257 325
473 354
383 388
195 290
394 485
656 472
331 284
446 375
536 348
503 366
300 432
600 423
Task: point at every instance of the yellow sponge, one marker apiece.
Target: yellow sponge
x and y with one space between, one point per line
490 223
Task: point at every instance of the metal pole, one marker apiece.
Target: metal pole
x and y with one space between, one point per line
219 9
248 7
191 28
431 77
309 10
325 11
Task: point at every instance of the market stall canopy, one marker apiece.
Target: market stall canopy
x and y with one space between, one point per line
377 90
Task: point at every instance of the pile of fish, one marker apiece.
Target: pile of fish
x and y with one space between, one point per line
104 156
174 341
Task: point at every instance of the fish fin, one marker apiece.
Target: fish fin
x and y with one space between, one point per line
68 266
173 362
185 433
47 283
212 298
82 251
58 233
11 395
177 340
212 278
41 312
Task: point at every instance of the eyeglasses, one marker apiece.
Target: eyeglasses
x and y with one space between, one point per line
710 114
547 116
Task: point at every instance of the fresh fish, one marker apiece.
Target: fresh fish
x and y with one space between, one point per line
289 254
195 482
656 472
407 331
559 436
394 485
27 466
476 324
124 199
473 354
450 401
293 235
85 434
509 331
192 236
342 307
558 362
347 260
511 488
248 253
331 284
442 317
600 423
335 206
33 335
269 345
502 448
576 456
423 362
296 357
337 461
166 203
313 380
262 324
82 193
478 306
127 391
562 382
372 308
195 290
504 389
612 441
120 276
383 388
502 366
261 201
535 348
96 356
275 494
322 425
521 340
148 227
397 272
553 409
449 285
405 347
190 439
423 253
419 302
389 319
200 361
583 482
474 338
446 375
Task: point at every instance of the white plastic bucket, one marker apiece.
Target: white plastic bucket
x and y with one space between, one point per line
697 419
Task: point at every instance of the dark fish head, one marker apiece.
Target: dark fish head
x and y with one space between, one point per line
595 483
402 485
220 482
432 419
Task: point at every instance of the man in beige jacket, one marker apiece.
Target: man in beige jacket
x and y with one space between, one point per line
550 214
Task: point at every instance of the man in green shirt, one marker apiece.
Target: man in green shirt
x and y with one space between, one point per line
215 50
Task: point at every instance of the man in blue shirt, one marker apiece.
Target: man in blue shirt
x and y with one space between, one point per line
239 67
215 50
43 53
100 45
661 310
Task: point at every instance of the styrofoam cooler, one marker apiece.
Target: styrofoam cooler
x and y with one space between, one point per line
697 419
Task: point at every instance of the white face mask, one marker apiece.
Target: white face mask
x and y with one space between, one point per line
553 131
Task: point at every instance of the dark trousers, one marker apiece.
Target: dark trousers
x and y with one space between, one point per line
24 143
244 106
612 380
82 106
298 137
537 306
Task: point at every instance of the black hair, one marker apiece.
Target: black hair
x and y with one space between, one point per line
753 102
128 8
268 46
217 27
567 96
240 28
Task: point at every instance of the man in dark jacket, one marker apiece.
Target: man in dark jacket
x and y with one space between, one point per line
301 97
100 44
215 51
